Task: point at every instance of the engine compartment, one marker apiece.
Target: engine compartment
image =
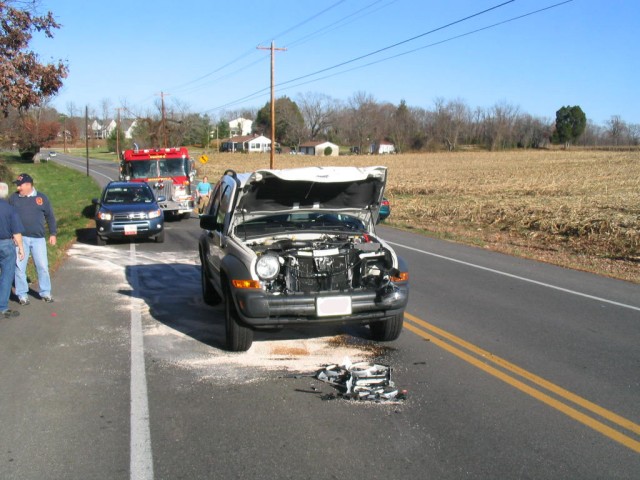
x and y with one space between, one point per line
329 263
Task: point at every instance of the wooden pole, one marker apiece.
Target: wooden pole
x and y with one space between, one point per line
273 103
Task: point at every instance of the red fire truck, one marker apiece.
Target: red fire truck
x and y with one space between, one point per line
168 171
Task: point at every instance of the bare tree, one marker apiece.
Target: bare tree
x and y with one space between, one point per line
318 111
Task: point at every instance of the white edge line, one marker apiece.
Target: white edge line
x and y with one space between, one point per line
141 458
524 279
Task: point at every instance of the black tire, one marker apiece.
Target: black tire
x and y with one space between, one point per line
209 294
186 216
387 330
160 237
239 337
100 241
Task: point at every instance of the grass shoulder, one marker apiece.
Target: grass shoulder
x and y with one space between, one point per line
69 191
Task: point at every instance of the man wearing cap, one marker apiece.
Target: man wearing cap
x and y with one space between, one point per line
10 237
34 210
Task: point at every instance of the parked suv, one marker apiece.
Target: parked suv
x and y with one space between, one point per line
128 210
299 247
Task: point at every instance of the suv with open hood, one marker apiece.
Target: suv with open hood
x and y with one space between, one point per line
298 247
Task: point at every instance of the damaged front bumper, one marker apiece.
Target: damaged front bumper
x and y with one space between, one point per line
257 308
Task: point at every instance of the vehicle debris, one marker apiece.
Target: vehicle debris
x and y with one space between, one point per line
363 381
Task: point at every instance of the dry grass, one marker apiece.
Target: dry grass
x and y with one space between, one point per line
579 209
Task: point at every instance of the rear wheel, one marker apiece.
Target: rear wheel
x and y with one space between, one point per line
239 337
387 330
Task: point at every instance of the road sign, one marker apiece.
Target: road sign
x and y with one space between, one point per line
203 158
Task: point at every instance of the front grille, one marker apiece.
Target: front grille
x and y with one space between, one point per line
313 274
165 188
129 217
119 226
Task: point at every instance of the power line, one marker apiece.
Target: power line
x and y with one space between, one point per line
251 51
512 19
429 45
368 54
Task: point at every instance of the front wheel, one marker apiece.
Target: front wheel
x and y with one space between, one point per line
100 241
387 330
160 237
239 337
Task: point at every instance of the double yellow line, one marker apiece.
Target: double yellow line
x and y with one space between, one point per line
508 373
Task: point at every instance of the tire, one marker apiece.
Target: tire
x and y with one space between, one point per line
186 216
209 294
387 330
160 237
100 241
239 337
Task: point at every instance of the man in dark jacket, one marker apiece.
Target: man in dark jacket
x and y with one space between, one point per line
34 210
10 237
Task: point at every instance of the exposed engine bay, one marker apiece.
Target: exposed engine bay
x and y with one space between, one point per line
326 263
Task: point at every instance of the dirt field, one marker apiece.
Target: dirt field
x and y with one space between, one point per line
575 208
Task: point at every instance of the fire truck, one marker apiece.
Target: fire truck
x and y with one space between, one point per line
168 171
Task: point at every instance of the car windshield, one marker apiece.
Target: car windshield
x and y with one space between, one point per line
310 222
120 195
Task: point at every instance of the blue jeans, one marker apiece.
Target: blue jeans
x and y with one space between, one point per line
37 247
7 270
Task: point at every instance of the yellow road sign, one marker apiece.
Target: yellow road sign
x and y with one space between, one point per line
203 159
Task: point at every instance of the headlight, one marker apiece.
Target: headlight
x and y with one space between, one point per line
268 267
155 213
105 216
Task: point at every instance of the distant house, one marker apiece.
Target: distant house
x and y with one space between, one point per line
381 147
240 127
246 143
318 148
126 126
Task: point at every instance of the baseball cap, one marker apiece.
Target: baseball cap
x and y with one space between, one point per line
23 178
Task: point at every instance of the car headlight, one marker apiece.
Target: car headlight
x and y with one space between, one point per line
155 213
268 267
105 216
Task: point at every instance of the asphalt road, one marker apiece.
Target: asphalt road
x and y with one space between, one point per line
514 369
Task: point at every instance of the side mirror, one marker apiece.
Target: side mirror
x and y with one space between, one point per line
208 222
161 198
95 201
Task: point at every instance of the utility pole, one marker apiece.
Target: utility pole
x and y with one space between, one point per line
164 121
86 134
118 133
273 102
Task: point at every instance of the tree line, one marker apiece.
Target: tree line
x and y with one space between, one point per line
357 122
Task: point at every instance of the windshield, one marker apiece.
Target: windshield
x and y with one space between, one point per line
166 167
172 167
143 169
133 194
298 222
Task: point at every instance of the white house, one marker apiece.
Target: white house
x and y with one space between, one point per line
382 147
246 143
126 126
318 148
240 127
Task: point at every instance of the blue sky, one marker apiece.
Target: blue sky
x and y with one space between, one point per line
203 55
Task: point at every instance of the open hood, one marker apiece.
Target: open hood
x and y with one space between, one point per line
312 188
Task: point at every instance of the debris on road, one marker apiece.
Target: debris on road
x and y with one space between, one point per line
362 381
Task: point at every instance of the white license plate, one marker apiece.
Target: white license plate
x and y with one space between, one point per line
330 306
130 229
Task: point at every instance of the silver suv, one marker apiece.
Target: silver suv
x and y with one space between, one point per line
298 247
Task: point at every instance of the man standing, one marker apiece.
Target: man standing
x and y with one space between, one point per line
34 210
10 237
204 190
